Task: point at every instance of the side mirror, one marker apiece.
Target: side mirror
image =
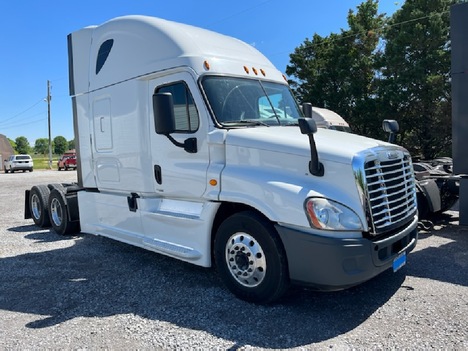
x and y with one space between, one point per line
307 125
307 109
164 121
163 109
391 126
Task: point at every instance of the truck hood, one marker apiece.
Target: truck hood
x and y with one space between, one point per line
332 145
272 163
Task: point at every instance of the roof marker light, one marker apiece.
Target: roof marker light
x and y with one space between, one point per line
246 69
263 72
255 70
206 65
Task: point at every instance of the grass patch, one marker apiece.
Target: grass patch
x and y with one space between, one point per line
42 162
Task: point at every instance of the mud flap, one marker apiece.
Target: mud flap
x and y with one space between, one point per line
431 192
27 209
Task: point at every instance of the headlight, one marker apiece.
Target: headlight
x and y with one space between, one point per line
330 215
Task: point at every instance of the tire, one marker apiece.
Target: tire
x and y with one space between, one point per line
38 205
58 214
250 258
6 170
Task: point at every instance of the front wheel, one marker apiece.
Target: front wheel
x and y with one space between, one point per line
250 258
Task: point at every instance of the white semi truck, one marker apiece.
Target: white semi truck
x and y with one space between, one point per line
325 118
190 144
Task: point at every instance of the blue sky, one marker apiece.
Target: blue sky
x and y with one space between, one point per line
33 43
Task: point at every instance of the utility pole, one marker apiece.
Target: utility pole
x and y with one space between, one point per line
48 118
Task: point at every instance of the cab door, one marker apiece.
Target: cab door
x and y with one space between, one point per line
178 173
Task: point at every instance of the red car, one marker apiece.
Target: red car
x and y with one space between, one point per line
67 161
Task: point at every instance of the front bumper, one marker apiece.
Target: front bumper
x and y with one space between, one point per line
333 263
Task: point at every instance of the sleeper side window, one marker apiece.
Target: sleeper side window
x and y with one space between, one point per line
103 53
185 111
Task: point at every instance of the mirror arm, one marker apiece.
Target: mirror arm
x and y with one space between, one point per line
315 166
308 127
189 145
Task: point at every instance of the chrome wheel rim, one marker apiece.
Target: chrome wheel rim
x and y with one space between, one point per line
56 212
35 206
246 260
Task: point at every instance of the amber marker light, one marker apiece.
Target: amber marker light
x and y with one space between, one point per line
312 215
206 65
213 182
246 69
263 72
255 70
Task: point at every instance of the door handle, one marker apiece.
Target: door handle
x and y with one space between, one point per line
101 120
158 174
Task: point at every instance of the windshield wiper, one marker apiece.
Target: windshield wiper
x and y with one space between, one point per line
244 122
291 124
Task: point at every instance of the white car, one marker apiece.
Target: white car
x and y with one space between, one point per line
18 163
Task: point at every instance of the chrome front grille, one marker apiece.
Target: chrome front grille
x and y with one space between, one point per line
387 182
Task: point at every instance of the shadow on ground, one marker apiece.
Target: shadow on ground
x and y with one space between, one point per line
445 262
98 277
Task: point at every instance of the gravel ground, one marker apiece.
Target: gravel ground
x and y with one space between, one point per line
88 292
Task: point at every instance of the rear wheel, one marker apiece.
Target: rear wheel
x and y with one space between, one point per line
250 258
58 214
38 205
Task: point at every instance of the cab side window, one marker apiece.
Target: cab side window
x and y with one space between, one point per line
185 112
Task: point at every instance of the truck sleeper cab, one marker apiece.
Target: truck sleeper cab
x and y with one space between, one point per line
190 144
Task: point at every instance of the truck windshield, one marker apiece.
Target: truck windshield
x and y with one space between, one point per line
244 102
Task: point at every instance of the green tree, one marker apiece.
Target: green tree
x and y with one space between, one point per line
60 145
42 146
338 72
71 144
415 84
22 145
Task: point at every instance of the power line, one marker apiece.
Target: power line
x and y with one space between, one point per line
23 121
376 30
26 110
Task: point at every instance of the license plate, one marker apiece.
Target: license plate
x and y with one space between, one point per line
399 262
